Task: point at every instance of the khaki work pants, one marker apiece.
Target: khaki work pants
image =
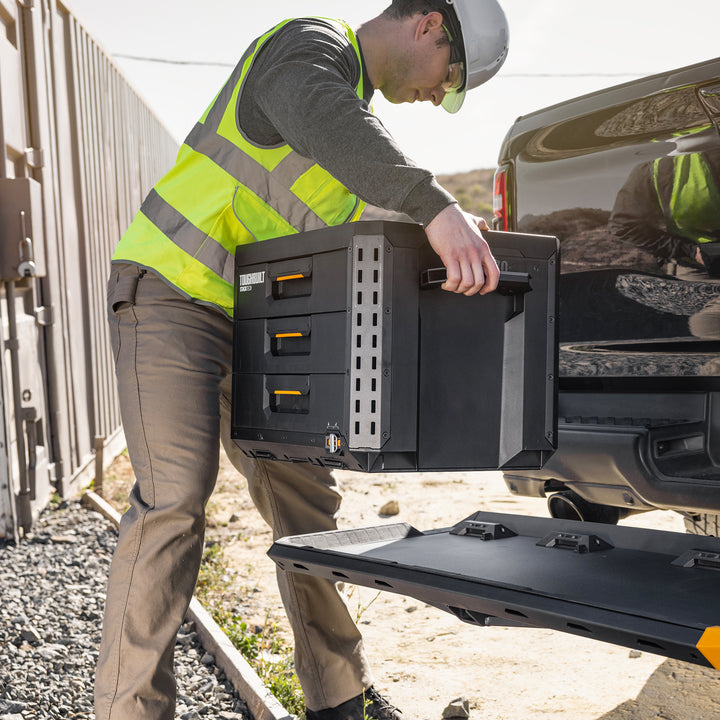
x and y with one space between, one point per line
173 363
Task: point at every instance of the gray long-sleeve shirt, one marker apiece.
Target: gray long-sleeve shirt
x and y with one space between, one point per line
301 91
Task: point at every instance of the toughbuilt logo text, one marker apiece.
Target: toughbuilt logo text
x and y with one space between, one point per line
245 281
255 278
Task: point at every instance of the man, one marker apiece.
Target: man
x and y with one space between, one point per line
289 144
670 206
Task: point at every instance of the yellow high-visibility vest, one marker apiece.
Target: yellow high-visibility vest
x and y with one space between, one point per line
689 196
225 191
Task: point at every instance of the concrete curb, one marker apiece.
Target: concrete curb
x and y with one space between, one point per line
262 703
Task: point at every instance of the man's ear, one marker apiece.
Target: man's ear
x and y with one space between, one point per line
428 22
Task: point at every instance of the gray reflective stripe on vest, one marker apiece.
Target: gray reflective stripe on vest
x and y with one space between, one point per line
189 238
273 188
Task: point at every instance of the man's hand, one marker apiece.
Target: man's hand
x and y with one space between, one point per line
455 236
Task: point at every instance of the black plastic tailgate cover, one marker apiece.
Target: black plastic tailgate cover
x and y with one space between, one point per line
646 589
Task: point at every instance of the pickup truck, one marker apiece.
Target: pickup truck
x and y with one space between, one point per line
625 184
628 179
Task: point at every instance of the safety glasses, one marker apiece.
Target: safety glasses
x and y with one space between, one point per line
455 77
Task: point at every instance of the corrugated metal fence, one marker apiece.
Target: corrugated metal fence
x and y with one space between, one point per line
80 151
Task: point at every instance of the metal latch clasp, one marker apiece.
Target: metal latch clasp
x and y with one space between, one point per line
333 443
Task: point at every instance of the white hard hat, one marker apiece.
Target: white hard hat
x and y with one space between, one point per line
478 31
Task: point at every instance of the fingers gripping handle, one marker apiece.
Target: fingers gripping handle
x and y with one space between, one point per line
510 283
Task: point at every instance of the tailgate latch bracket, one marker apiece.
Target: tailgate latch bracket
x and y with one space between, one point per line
573 541
482 530
699 558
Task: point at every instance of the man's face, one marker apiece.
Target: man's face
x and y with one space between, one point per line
420 66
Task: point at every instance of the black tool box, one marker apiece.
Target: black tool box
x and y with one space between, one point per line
646 589
348 354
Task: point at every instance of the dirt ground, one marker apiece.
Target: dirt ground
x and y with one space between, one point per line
424 658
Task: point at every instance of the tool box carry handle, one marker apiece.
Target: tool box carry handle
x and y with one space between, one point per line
510 283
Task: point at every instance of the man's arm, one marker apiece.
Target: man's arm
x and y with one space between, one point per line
301 91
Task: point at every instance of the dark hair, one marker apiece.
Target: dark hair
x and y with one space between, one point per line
400 9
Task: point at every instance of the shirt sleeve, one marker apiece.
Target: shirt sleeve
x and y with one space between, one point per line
301 90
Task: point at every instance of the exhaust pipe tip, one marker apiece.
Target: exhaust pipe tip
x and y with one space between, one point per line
564 506
568 505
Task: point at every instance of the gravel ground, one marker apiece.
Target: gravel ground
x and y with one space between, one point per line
53 592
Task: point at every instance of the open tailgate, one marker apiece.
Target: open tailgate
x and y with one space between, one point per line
650 590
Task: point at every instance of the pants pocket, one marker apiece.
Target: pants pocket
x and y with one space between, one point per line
122 286
121 291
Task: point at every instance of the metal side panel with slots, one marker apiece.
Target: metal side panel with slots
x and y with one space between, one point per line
645 589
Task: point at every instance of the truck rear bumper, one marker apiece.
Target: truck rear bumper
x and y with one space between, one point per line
622 459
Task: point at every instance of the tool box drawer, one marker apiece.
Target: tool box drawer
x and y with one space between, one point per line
393 372
297 403
298 344
310 272
304 285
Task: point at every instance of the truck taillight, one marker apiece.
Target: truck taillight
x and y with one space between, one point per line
500 200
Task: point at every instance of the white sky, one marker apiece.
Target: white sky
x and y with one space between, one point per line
558 49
